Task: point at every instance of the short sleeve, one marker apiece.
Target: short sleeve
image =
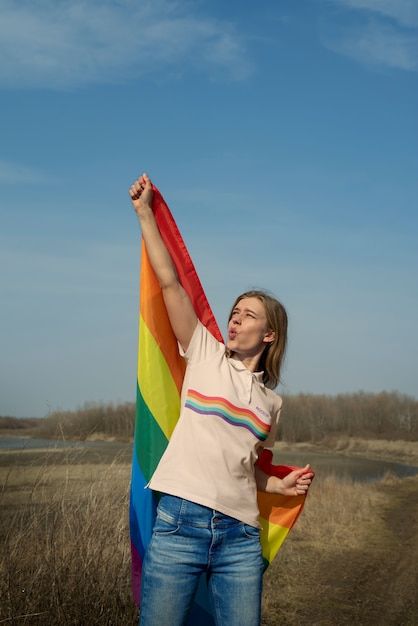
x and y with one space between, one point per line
202 345
271 439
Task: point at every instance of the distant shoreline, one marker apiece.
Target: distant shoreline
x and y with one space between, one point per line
379 449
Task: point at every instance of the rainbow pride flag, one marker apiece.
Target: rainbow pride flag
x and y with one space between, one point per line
160 377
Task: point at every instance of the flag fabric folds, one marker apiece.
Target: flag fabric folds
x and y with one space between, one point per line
159 381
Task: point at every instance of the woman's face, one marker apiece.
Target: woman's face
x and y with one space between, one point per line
247 329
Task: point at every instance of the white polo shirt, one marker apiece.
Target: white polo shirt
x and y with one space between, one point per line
227 415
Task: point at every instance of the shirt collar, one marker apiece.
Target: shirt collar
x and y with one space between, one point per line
239 366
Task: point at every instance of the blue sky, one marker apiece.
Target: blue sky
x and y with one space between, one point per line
282 134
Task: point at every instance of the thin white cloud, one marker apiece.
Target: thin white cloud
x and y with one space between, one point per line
16 174
405 12
375 44
378 33
66 43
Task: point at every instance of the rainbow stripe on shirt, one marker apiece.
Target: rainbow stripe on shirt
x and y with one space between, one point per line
230 413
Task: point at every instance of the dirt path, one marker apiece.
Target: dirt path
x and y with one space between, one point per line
378 583
384 589
374 582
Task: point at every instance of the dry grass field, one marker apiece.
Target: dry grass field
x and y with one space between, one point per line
65 546
352 559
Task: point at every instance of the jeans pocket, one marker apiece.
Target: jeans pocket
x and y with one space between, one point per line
165 524
250 531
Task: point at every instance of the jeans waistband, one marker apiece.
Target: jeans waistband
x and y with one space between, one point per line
180 510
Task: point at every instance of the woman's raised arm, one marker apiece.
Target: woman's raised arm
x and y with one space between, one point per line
179 307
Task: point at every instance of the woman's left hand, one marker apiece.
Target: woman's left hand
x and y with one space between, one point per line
297 482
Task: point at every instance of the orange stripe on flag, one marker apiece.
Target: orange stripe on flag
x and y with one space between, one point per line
281 510
155 316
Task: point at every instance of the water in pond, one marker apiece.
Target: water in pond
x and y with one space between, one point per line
359 469
26 451
32 443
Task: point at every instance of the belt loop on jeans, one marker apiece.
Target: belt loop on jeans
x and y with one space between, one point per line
181 510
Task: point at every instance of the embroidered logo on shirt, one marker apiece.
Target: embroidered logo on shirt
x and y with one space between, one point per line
262 411
234 415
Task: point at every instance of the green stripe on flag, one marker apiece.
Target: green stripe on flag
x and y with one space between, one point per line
150 441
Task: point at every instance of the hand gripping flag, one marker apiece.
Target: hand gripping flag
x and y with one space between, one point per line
159 381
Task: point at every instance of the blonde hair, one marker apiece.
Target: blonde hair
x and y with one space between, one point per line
272 358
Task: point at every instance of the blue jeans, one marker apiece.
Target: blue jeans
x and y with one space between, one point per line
190 540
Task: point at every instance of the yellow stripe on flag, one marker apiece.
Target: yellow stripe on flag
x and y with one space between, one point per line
272 537
158 389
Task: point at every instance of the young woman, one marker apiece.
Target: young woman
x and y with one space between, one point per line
207 517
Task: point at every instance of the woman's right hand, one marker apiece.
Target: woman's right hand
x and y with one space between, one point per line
179 307
141 195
